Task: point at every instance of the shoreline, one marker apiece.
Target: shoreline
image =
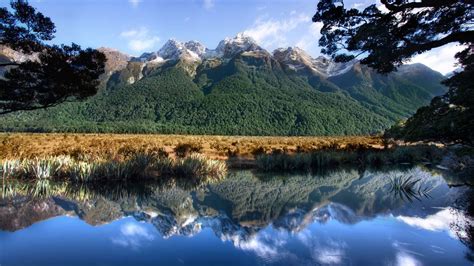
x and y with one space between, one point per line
95 156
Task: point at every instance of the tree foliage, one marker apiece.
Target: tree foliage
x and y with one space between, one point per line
449 117
386 36
52 74
386 39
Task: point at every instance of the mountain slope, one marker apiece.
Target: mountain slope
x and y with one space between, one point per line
238 88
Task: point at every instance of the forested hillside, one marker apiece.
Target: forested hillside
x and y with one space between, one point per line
242 92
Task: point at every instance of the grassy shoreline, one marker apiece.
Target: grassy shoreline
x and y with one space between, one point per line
137 167
94 157
31 145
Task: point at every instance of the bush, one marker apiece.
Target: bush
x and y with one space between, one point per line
184 149
138 166
199 167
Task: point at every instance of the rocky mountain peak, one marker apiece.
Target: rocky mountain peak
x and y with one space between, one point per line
116 60
297 59
174 50
196 47
240 43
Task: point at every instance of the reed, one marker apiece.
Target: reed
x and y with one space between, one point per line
409 188
199 167
138 166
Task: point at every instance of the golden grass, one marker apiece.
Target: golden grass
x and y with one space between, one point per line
31 145
138 166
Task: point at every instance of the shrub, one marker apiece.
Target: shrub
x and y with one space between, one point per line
258 151
11 168
82 171
184 149
43 168
158 152
199 167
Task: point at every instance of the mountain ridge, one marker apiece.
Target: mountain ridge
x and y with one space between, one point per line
239 88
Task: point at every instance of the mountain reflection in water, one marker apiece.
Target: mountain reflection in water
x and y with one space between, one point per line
344 217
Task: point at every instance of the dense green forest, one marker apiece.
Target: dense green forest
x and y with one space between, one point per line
244 96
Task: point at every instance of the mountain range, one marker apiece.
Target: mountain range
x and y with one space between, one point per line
238 88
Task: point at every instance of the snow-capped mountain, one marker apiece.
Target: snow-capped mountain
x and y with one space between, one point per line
230 47
174 50
297 59
194 50
293 58
196 47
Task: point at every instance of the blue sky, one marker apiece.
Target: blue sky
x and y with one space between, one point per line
137 26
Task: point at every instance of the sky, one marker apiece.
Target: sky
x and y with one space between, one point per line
137 26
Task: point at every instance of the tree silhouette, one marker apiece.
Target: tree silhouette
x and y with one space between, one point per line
52 74
386 36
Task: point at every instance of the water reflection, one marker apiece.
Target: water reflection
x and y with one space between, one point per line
409 188
343 217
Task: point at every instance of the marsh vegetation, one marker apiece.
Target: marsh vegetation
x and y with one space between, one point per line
137 166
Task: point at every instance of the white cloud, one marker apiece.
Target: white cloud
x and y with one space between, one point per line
381 7
309 42
359 5
404 259
328 252
208 4
440 221
329 255
269 247
440 59
140 40
133 235
134 3
271 33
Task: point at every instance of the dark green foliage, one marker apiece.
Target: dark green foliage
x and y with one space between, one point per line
448 118
24 29
388 39
61 74
54 74
184 149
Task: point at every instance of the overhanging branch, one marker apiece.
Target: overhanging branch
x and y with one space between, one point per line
422 4
462 37
9 64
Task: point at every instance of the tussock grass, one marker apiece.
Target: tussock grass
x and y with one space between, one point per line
122 146
138 166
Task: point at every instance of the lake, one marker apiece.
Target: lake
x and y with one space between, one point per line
343 217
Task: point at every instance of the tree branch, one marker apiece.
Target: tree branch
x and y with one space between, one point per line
7 111
9 64
422 4
463 37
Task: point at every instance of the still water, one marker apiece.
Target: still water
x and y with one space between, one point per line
346 217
